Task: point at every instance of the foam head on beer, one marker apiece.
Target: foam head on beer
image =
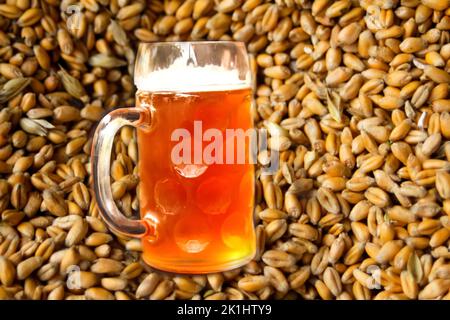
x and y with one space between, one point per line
180 77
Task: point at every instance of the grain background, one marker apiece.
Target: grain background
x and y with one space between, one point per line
357 93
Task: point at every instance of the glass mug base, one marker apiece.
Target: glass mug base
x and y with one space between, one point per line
192 266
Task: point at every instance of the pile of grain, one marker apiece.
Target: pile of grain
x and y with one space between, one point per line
358 93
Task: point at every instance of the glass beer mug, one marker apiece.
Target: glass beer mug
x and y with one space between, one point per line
196 189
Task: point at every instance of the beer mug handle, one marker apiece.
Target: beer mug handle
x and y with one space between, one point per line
101 153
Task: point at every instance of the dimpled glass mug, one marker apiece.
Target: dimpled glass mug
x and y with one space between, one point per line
196 207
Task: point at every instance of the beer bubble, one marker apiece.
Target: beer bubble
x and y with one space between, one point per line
190 170
214 195
191 233
170 196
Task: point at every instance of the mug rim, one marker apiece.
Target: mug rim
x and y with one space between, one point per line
192 42
146 49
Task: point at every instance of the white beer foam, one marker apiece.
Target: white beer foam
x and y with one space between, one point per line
182 78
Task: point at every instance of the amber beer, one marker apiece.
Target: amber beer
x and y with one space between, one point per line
204 210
